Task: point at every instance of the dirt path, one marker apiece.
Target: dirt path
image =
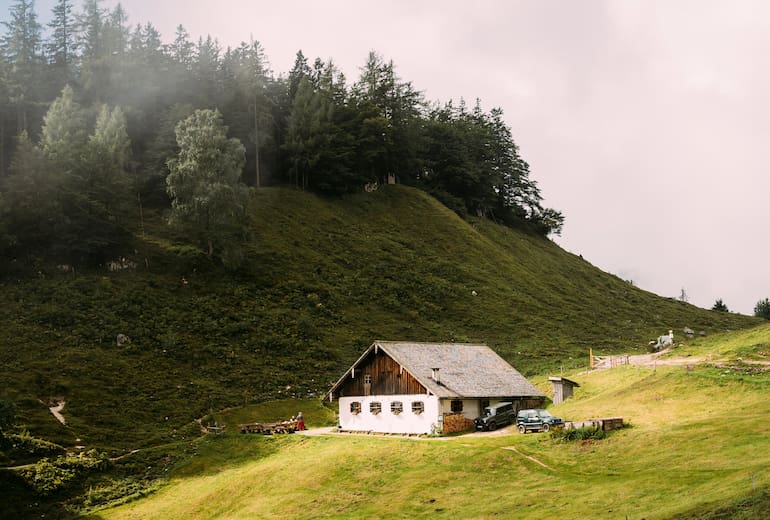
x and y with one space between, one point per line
330 430
656 359
56 411
533 459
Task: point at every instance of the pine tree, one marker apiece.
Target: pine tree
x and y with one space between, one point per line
108 153
182 49
720 306
60 46
762 309
206 72
30 200
21 48
64 133
94 50
299 71
110 142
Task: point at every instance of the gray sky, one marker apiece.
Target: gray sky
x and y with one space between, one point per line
644 122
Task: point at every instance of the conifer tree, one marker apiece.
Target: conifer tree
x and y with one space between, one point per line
64 134
20 45
762 309
720 306
30 199
60 46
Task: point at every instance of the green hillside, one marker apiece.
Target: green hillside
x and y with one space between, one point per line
322 279
696 448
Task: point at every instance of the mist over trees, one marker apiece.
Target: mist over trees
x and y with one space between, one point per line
89 113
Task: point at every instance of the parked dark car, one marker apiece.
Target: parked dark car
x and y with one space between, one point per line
496 416
536 420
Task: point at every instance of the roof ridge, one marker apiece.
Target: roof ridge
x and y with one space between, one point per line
431 343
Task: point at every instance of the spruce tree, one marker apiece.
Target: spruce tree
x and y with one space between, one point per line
762 309
64 133
20 45
60 46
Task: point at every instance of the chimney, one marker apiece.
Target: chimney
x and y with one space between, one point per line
435 375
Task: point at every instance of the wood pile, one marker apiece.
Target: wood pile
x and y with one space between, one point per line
457 423
269 428
605 423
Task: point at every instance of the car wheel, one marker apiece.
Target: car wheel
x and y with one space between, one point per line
546 427
522 429
492 427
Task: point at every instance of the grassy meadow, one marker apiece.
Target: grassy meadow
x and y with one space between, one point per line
322 278
696 448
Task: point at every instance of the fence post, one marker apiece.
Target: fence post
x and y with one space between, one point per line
591 358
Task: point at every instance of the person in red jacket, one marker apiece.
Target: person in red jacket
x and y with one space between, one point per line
300 422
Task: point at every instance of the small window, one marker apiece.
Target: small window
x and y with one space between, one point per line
396 407
418 407
355 408
375 407
367 379
457 406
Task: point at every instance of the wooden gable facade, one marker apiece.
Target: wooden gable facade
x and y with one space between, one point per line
378 374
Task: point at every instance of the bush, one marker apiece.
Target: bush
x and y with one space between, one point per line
25 443
114 492
578 434
47 477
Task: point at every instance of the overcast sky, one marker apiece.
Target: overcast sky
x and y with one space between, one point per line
645 122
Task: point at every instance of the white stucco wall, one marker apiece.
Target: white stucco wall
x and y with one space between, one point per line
471 407
386 421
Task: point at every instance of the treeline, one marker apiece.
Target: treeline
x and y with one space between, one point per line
89 106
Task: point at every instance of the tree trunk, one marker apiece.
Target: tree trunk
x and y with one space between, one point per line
2 146
256 142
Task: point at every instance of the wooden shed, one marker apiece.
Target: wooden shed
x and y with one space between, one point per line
407 387
562 388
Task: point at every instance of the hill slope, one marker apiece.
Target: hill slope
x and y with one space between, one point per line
322 279
697 448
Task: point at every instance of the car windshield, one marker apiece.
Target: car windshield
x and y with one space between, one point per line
545 414
487 412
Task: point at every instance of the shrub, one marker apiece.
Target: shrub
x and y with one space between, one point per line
47 477
578 434
24 442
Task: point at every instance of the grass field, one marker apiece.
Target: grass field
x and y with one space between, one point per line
322 279
697 446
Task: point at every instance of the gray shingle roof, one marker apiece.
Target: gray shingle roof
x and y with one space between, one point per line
473 371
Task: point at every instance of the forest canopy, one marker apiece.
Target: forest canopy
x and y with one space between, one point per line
90 107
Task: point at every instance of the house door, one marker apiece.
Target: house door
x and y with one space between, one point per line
367 384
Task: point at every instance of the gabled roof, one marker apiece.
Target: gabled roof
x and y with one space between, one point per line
563 380
472 371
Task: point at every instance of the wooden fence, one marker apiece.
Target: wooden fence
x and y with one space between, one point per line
600 362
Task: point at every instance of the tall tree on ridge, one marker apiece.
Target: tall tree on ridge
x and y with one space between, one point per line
95 50
60 46
21 47
300 70
762 309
